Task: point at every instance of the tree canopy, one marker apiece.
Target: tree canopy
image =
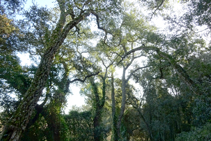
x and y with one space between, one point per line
141 80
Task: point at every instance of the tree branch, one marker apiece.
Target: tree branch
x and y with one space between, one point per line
83 80
157 8
143 47
180 71
134 72
98 23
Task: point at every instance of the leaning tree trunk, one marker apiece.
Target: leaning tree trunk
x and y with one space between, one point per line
18 122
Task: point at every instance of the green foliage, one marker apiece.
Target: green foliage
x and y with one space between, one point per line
13 73
80 125
9 36
200 134
200 12
11 7
6 28
13 79
161 113
34 134
168 108
130 121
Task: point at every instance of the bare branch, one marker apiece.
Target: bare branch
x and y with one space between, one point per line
70 12
157 7
143 47
131 61
134 72
98 23
83 80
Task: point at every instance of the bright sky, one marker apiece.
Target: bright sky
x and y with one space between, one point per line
47 3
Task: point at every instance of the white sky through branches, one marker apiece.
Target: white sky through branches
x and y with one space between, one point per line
75 98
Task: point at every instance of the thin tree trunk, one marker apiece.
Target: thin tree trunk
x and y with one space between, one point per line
135 106
98 112
122 103
114 118
147 125
18 122
53 120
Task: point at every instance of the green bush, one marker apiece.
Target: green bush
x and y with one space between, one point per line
197 134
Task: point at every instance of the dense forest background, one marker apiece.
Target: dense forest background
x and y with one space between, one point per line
143 81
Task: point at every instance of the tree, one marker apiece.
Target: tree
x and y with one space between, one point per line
175 76
78 12
128 32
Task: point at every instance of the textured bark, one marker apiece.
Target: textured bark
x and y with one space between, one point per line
18 122
52 112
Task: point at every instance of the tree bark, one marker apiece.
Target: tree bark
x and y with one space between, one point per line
98 105
122 103
114 118
97 129
98 112
18 122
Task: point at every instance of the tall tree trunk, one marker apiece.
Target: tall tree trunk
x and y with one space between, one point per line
98 105
98 112
122 103
53 121
146 123
114 118
97 128
18 122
